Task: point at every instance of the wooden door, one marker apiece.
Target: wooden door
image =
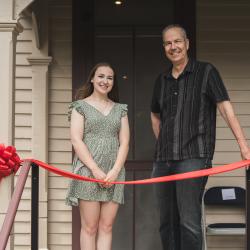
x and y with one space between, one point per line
137 56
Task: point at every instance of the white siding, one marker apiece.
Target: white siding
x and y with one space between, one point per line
60 149
223 38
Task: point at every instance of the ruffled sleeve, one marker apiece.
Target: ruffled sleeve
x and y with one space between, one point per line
77 106
124 109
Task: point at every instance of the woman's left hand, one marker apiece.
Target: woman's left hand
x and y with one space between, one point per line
110 177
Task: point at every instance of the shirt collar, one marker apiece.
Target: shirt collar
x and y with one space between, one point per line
189 68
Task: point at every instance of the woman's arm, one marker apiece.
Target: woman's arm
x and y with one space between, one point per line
76 135
228 114
122 151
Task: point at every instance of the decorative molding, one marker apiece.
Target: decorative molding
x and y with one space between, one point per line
12 26
36 60
21 5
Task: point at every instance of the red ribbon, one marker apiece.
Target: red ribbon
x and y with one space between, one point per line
193 174
9 161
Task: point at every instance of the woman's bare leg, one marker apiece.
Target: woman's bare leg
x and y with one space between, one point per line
107 218
90 214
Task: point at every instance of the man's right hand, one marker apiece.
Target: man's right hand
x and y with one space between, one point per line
156 122
245 154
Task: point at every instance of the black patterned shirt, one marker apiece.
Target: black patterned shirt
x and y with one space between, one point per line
187 107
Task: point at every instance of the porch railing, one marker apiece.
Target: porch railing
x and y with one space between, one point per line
15 200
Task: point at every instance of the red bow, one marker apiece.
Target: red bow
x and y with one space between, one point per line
9 161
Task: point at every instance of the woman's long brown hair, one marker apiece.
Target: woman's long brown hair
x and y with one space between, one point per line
87 88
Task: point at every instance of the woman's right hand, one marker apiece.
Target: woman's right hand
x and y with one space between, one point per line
98 173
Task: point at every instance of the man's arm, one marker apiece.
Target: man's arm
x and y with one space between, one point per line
156 122
227 112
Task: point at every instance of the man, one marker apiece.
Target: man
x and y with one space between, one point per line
183 115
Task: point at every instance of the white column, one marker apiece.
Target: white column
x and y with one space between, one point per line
8 33
40 136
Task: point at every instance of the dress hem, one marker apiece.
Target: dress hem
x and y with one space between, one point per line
73 201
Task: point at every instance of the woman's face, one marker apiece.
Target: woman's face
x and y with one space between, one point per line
103 80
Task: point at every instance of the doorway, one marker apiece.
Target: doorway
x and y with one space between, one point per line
128 37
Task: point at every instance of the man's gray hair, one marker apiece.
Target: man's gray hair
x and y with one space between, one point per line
175 26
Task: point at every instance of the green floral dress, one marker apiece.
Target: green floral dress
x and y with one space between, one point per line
101 137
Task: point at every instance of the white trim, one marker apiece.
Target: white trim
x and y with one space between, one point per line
39 66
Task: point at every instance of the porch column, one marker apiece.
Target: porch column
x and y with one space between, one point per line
39 66
9 29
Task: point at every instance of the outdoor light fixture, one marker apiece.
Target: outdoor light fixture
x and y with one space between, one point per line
118 2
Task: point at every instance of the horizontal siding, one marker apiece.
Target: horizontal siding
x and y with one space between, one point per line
224 40
60 145
24 83
59 133
23 130
23 120
58 120
57 193
60 149
243 119
58 109
21 143
60 96
58 83
23 95
23 108
224 133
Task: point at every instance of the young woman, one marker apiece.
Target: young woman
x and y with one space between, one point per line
100 136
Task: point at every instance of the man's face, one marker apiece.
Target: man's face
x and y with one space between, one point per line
175 45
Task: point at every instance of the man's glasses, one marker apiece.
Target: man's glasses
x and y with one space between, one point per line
176 42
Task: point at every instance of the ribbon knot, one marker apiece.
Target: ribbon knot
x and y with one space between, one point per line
9 161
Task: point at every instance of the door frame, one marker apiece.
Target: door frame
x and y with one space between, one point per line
83 27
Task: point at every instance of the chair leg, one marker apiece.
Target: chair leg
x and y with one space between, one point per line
203 222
